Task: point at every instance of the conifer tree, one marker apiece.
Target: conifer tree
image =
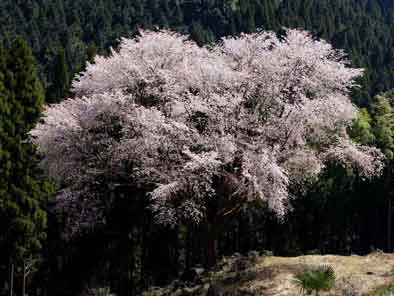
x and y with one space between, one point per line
200 35
23 194
61 81
91 53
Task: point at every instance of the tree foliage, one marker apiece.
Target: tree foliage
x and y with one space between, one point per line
202 131
383 125
23 192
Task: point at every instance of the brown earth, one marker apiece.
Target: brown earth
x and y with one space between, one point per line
271 275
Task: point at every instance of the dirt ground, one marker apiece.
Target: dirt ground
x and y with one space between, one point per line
274 276
355 275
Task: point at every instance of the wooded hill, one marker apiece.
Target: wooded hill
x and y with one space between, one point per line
364 28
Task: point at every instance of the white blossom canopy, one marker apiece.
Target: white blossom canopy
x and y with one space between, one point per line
257 112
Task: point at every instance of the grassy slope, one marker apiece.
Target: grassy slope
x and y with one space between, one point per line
355 275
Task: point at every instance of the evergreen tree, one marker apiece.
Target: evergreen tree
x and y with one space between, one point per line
61 81
201 35
23 194
91 52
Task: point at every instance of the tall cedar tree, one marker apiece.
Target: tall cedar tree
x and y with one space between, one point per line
61 80
23 194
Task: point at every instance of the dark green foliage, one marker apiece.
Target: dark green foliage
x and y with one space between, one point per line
23 194
383 123
200 35
361 130
24 91
91 53
316 279
61 81
362 28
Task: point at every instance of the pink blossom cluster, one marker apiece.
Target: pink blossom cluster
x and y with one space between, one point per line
255 112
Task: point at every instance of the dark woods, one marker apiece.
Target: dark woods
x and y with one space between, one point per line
64 34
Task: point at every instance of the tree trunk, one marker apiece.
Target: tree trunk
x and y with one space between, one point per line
24 279
12 280
211 245
126 253
188 249
389 224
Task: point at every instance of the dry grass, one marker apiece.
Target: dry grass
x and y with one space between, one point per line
355 275
270 275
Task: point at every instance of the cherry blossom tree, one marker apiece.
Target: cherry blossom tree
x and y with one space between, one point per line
202 130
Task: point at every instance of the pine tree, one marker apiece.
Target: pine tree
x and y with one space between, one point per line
200 34
23 194
91 52
26 93
61 81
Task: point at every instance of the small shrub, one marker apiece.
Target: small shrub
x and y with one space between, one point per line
315 279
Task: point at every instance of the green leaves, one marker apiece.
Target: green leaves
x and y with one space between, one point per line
377 126
361 131
321 278
383 125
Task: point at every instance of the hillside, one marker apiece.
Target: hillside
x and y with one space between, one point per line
269 275
82 28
